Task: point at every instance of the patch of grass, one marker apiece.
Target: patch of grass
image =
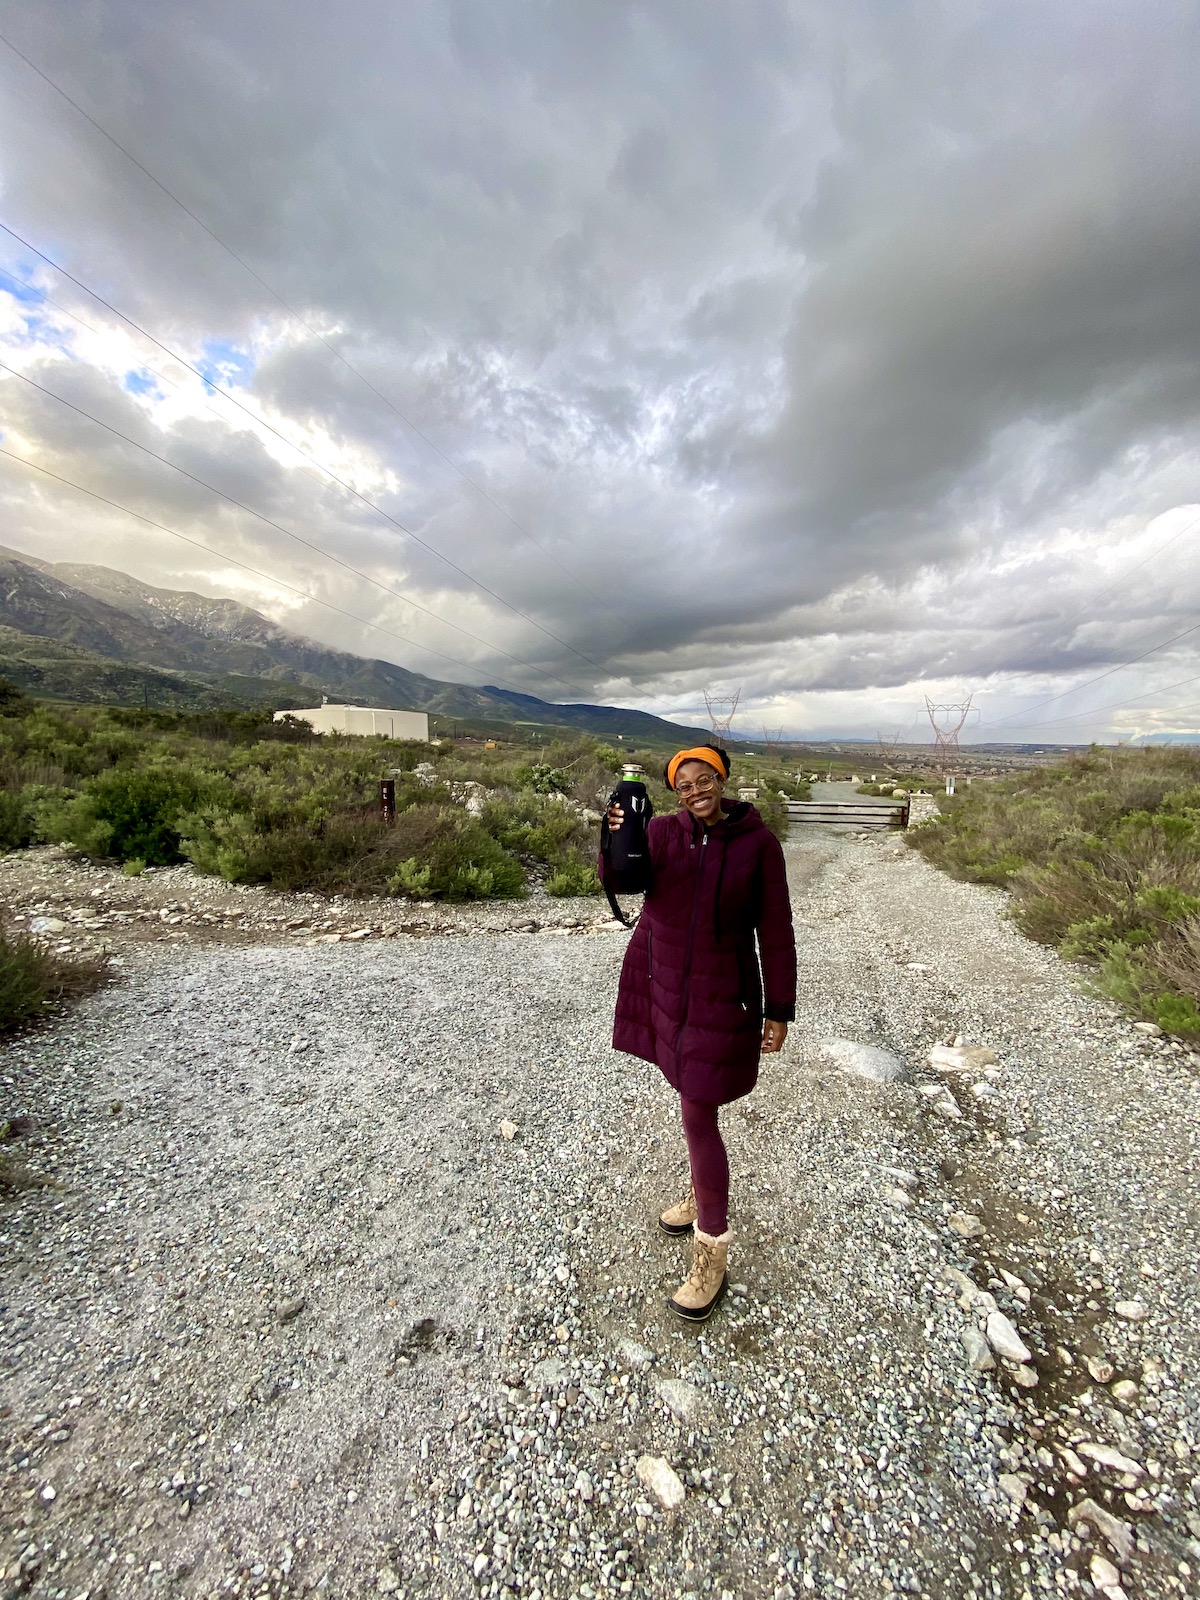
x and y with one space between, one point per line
1102 857
33 980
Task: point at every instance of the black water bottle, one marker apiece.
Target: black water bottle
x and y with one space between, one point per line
627 845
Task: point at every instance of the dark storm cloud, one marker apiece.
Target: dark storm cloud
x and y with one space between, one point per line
825 348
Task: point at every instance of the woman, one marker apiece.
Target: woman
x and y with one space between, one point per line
692 998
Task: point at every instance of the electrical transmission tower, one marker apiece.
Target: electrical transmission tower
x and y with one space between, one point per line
721 711
772 741
947 722
888 748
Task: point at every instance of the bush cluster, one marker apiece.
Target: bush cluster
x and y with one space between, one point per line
256 801
1103 860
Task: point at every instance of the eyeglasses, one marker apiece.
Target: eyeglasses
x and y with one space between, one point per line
701 786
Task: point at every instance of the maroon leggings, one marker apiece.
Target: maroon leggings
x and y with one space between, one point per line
709 1164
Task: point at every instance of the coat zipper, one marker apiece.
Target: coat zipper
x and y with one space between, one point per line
687 964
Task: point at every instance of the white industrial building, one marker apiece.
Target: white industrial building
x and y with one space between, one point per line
364 720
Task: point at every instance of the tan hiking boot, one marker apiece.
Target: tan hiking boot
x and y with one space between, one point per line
678 1219
704 1287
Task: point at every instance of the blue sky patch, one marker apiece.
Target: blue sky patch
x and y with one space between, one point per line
136 382
225 365
27 293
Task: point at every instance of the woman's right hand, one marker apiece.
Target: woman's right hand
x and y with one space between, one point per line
616 816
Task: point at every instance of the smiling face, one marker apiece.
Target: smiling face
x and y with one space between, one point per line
699 789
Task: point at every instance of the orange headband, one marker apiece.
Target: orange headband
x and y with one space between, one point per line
701 753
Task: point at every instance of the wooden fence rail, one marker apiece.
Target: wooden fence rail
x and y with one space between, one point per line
849 813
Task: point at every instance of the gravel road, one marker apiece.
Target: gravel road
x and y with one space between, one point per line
292 1313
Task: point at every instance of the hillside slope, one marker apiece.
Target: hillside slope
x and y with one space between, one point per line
218 650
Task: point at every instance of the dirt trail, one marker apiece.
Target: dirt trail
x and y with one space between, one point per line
297 1316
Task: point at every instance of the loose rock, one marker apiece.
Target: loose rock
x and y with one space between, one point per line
662 1481
1005 1340
1110 1528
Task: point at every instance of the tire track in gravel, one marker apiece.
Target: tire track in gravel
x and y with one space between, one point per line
298 1317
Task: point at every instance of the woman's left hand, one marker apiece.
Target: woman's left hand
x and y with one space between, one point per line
774 1033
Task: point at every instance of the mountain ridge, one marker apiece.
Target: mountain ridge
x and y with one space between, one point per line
139 630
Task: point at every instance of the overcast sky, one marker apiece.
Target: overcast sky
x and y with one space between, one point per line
845 352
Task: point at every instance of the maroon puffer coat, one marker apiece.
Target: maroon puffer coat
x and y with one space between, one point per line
692 995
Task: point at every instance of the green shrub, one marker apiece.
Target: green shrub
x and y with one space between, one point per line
129 814
1103 860
542 778
573 878
445 854
16 820
539 830
774 813
32 979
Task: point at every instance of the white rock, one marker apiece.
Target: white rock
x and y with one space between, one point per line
965 1224
1015 1488
584 1487
947 1107
1131 1310
898 1197
509 1130
1005 1340
1018 1285
902 1175
1110 1528
634 1353
387 1581
1024 1377
961 1057
863 1060
1073 1463
1104 1574
979 1355
679 1397
917 966
47 925
1104 1455
662 1481
1126 1391
1100 1369
480 1565
1151 1029
972 1297
464 1508
547 1373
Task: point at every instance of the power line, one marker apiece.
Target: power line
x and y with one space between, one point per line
1121 576
245 566
262 422
1112 705
316 334
278 526
1120 667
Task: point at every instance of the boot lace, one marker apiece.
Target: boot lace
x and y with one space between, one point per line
702 1259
